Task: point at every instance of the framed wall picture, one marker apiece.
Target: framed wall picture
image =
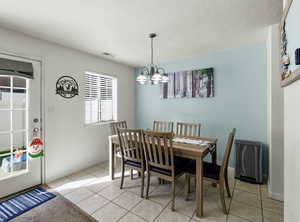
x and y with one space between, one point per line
189 84
289 44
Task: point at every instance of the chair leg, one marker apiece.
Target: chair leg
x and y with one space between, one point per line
227 186
173 196
148 185
159 180
187 186
131 174
222 196
122 175
143 183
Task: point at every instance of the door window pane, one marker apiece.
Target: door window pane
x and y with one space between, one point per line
19 99
19 120
4 98
4 143
19 82
4 120
19 145
5 81
19 140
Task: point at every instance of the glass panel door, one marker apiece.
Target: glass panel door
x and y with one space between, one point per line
13 126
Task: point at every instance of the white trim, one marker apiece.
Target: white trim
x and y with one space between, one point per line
42 61
114 98
276 196
101 73
15 174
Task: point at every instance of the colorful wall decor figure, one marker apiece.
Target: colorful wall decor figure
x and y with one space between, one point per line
189 84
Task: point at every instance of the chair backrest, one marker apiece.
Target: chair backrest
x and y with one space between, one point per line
161 126
225 160
188 129
131 144
115 125
158 148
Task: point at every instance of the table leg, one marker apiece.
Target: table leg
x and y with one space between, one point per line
214 155
111 159
214 160
199 187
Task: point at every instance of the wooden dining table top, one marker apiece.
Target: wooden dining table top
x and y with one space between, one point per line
186 149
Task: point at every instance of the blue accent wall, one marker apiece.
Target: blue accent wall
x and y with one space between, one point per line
240 97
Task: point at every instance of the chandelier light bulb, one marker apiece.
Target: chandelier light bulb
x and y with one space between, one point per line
164 78
156 77
152 74
141 79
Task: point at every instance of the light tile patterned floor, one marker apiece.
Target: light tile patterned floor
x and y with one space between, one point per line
92 190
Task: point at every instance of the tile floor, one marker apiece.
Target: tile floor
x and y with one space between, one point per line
92 191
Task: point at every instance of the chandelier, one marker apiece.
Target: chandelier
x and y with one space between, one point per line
152 74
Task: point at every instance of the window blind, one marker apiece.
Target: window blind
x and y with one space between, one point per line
99 98
17 68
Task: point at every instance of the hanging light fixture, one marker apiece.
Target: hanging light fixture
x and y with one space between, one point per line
152 74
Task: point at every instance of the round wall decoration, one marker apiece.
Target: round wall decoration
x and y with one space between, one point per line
67 87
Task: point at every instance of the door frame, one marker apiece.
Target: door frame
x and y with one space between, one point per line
41 60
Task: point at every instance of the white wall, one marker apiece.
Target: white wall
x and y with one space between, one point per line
70 146
292 123
275 116
292 151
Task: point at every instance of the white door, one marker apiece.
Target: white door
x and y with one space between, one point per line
20 113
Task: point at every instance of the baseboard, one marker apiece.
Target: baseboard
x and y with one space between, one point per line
276 196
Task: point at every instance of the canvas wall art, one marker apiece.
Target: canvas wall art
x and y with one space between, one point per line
189 84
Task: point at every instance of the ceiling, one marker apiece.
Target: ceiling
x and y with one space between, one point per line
185 28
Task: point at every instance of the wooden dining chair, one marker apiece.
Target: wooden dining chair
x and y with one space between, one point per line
215 173
115 125
188 129
132 153
160 161
162 126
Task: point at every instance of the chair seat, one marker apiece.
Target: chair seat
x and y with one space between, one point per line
133 163
180 165
210 170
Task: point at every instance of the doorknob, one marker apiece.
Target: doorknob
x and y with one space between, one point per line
35 129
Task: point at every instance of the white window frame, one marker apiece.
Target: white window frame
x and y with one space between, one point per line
114 98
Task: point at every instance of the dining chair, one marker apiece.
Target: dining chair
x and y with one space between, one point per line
162 126
188 129
215 173
132 153
114 126
160 161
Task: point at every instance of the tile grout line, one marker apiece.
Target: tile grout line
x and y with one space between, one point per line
234 188
261 205
229 207
93 193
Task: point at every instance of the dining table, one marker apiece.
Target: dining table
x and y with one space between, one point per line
182 148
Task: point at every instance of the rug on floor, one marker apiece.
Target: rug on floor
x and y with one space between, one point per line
58 209
17 205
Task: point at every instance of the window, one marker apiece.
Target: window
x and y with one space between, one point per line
100 98
13 124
